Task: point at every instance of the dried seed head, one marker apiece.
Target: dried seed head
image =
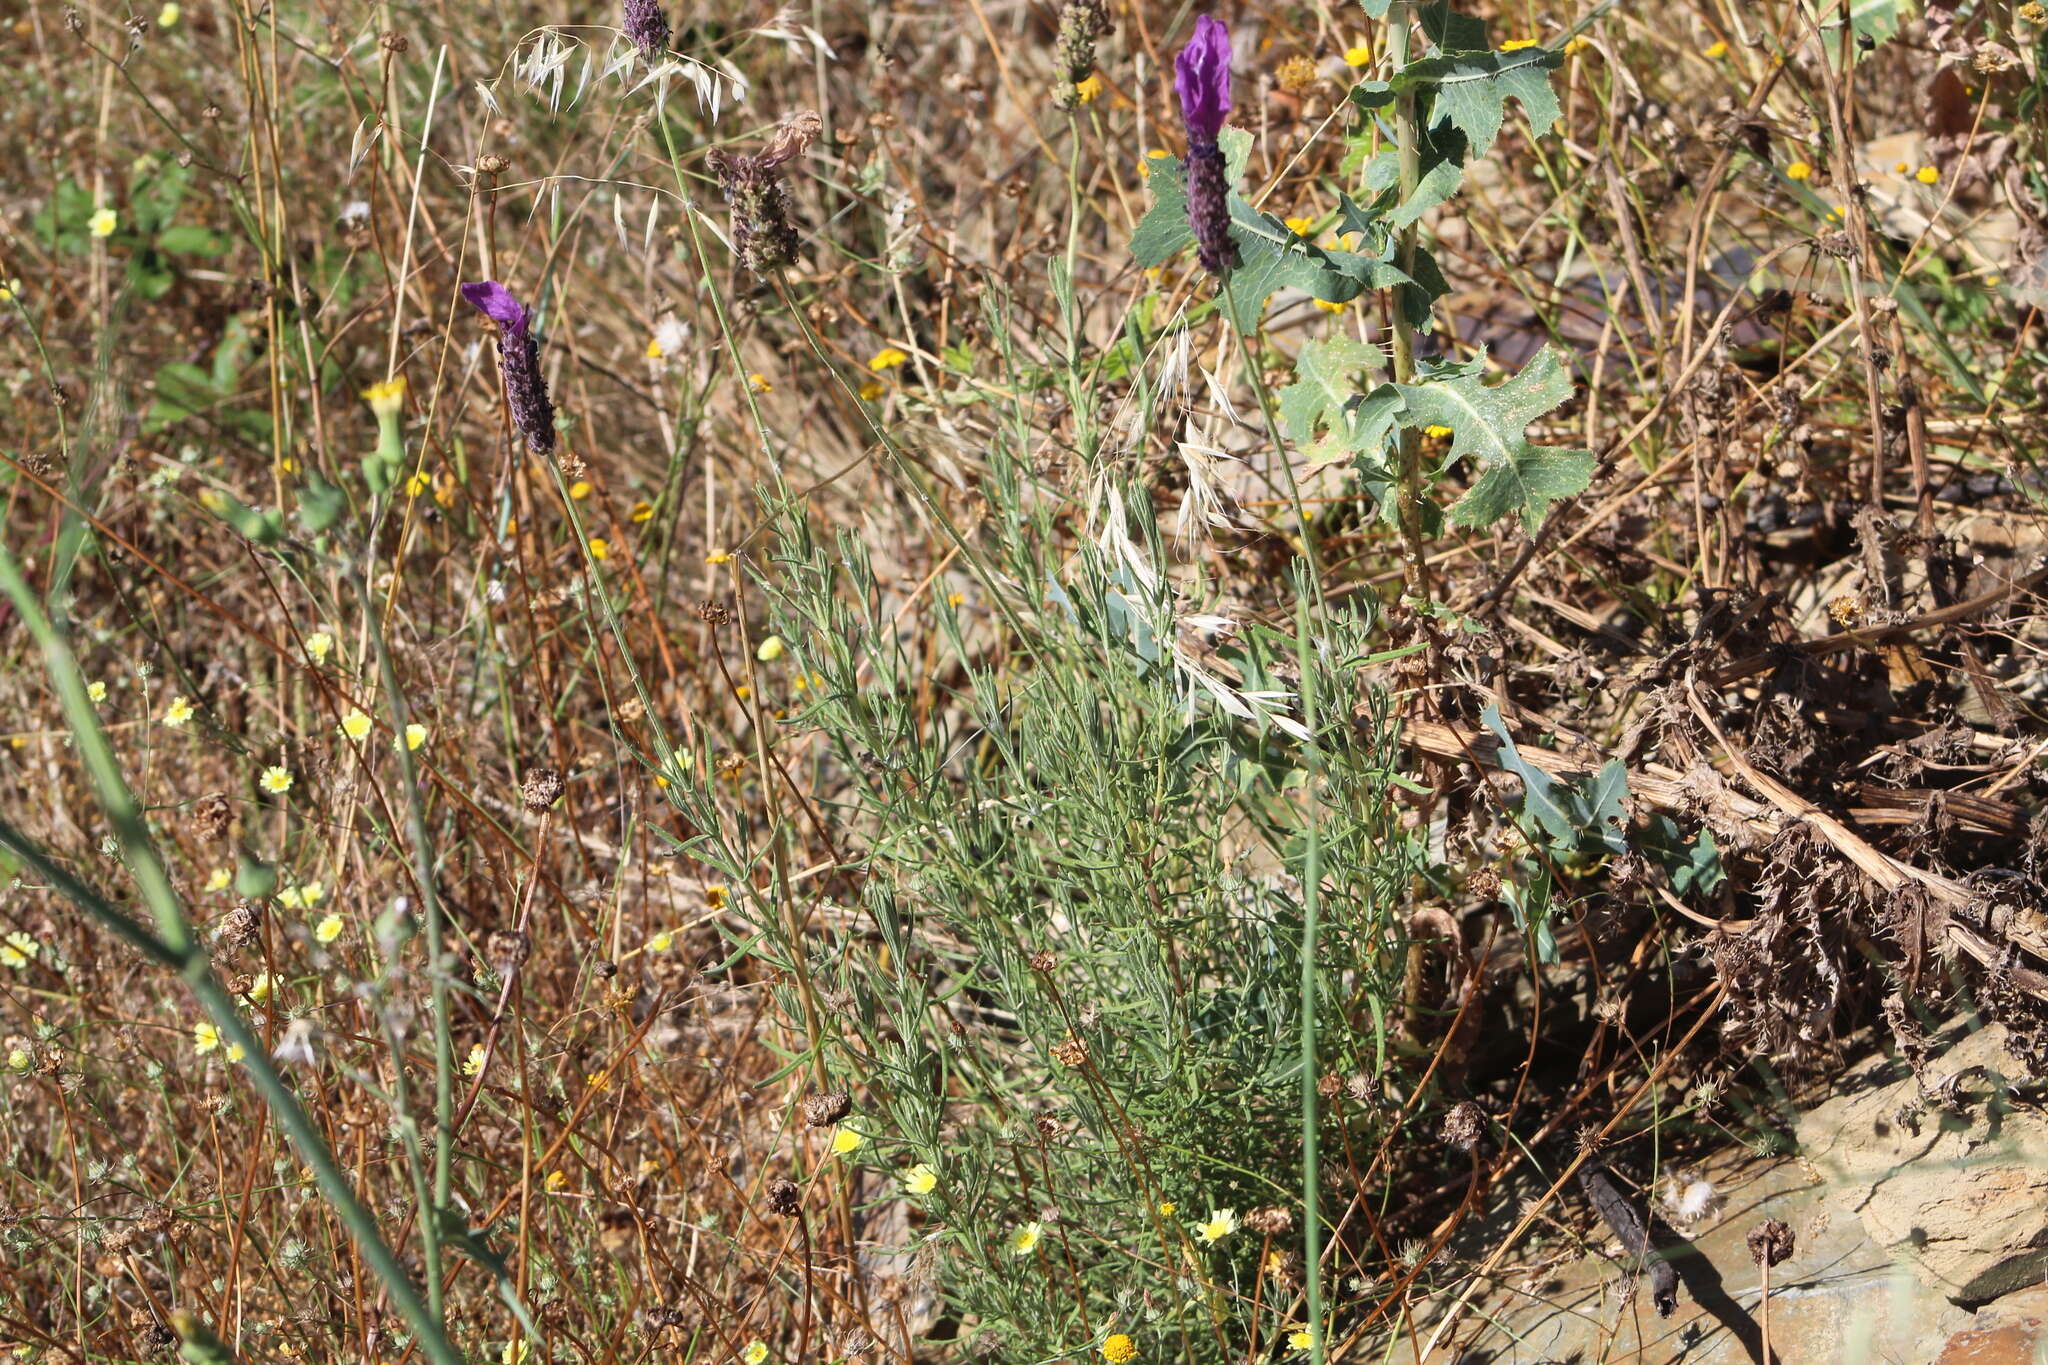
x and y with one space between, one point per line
1269 1221
240 926
824 1108
212 817
1049 1128
1484 884
540 788
1464 1126
1296 75
784 1199
507 949
1070 1051
1041 961
1770 1242
763 231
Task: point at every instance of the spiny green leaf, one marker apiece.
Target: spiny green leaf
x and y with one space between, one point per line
1489 425
1471 90
1317 409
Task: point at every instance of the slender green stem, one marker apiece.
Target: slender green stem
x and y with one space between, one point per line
1408 133
1311 880
1310 551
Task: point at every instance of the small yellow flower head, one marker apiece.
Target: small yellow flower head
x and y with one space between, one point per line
556 1182
661 942
276 779
18 1059
234 1052
388 397
1301 226
1119 1348
219 880
1167 1208
1219 1224
598 1080
168 16
888 358
10 290
17 950
756 1353
1356 57
643 511
1715 50
716 897
328 929
1326 306
759 383
846 1139
103 222
474 1062
1156 154
1087 90
2033 12
97 690
261 985
205 1037
291 898
1574 46
871 390
311 894
1301 1339
1517 44
654 351
718 557
580 489
600 548
1024 1240
318 644
769 649
1799 170
1436 431
178 712
419 483
1834 215
356 725
920 1180
514 1352
1927 175
415 736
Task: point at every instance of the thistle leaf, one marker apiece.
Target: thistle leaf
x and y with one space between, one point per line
1472 89
1489 426
1321 409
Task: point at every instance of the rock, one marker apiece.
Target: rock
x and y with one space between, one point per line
1947 1172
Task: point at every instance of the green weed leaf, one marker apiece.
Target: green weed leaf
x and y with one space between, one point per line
1489 425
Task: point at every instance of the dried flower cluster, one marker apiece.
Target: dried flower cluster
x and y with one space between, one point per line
763 231
1082 22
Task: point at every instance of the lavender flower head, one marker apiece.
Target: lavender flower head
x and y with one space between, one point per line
526 392
1201 77
647 27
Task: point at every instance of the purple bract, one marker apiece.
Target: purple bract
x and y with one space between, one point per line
1201 77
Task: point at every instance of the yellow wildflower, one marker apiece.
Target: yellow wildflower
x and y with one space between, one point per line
276 779
419 483
1355 57
474 1063
580 489
17 950
556 1182
1219 1224
715 897
388 397
759 383
600 548
356 725
870 391
846 1139
1927 175
1517 44
415 736
888 358
205 1037
103 222
328 929
1119 1348
756 1353
168 16
1300 226
97 690
920 1180
1574 46
178 712
643 510
770 649
1087 90
219 880
1715 50
317 645
1024 1240
1436 430
1329 307
661 942
1799 170
1301 1339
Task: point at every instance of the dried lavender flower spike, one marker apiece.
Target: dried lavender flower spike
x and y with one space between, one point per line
1201 78
763 231
526 391
1081 23
646 24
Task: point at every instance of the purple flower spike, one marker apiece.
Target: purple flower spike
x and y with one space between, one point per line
1201 77
498 305
526 389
